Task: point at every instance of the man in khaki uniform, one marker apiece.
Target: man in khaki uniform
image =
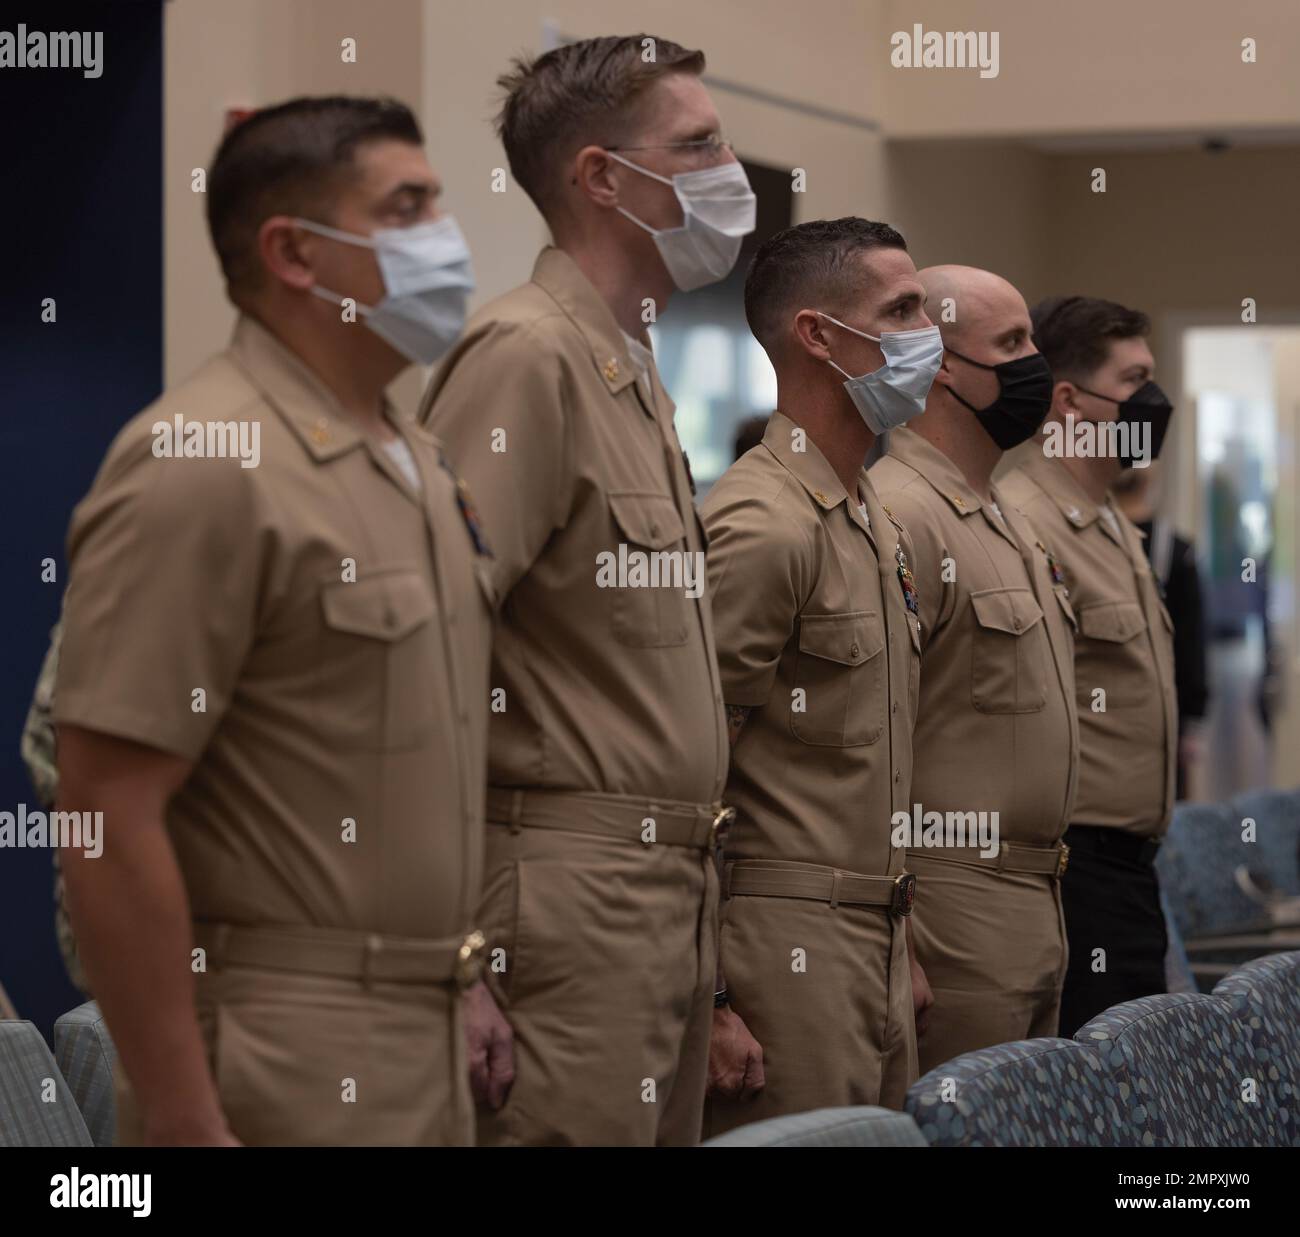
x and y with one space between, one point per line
607 751
273 681
996 741
820 655
1107 414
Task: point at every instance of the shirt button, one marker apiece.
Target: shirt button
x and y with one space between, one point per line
390 619
853 652
898 776
895 706
1016 622
654 529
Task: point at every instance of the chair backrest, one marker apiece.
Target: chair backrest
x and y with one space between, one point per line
1276 814
827 1127
1197 863
36 1105
1031 1093
1178 970
86 1057
1186 1069
1264 997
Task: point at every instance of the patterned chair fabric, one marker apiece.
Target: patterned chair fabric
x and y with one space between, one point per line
1264 997
1033 1093
1276 814
1197 864
36 1105
1184 1066
827 1127
87 1059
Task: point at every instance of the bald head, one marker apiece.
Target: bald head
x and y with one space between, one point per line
984 323
972 306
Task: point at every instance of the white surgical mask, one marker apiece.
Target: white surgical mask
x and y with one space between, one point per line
718 212
427 282
893 394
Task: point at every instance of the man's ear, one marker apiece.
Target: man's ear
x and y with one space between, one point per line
811 331
286 251
1065 400
944 372
593 176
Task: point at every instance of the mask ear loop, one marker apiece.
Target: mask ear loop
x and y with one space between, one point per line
875 339
347 238
636 167
663 180
979 365
335 299
829 361
323 229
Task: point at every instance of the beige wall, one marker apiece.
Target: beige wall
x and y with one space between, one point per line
977 203
248 53
1102 66
444 60
1109 65
1184 236
765 44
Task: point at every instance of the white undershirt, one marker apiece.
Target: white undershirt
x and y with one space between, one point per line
642 358
400 454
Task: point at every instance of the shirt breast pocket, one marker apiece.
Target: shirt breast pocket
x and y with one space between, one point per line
649 608
840 686
1110 655
1009 654
379 672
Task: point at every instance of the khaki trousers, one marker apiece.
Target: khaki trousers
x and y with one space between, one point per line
827 992
602 954
313 1061
992 946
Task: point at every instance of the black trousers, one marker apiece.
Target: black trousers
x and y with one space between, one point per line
1111 900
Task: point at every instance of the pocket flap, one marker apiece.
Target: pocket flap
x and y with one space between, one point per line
849 639
647 519
1012 610
384 606
1116 621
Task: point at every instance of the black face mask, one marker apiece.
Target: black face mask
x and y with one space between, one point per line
1148 405
1024 396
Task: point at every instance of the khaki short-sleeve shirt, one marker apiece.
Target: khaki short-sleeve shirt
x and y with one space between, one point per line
311 631
815 637
603 650
996 729
1124 654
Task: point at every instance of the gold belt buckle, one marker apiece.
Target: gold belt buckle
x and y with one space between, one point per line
1062 861
722 822
469 959
904 894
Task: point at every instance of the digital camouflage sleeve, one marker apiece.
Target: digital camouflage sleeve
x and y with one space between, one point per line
38 756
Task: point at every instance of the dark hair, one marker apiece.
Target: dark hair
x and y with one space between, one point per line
809 266
290 159
749 433
1074 332
577 94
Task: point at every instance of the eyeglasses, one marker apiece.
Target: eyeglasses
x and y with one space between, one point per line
713 144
